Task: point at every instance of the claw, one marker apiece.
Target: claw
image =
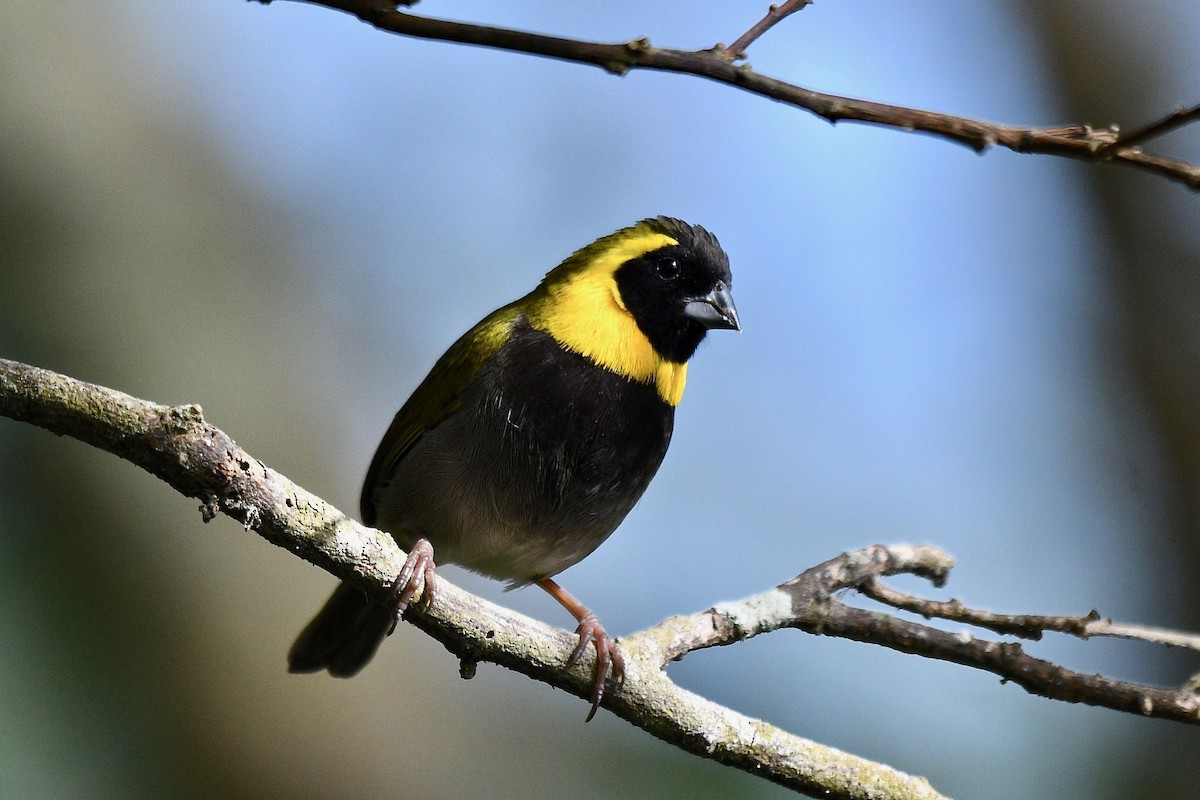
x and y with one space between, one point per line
417 574
608 656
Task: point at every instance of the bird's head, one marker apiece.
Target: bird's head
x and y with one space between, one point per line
639 301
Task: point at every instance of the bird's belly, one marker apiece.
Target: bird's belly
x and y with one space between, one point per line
510 513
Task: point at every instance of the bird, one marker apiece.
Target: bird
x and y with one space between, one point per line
535 434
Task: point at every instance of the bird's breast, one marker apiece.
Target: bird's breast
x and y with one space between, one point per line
545 456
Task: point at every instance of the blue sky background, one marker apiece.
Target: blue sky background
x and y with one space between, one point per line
925 358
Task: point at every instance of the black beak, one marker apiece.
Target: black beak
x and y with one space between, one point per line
715 309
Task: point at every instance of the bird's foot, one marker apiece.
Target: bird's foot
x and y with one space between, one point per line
608 655
417 575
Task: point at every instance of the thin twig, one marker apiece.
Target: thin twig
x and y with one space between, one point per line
1010 662
1028 626
1082 142
1144 633
775 15
1177 119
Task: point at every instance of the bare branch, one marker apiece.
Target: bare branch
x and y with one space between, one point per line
807 602
1177 119
775 15
1010 662
1143 633
1082 142
1028 626
176 444
733 622
197 459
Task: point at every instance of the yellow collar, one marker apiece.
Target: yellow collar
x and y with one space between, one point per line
583 311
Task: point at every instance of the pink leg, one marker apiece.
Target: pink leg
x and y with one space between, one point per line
590 632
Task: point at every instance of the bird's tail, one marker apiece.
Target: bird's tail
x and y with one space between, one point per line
343 636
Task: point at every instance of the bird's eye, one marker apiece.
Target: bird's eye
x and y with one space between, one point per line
667 268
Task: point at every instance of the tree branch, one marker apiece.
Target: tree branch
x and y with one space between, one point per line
1028 626
176 444
1161 127
1082 142
775 15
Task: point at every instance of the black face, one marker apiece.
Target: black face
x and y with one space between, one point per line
677 293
